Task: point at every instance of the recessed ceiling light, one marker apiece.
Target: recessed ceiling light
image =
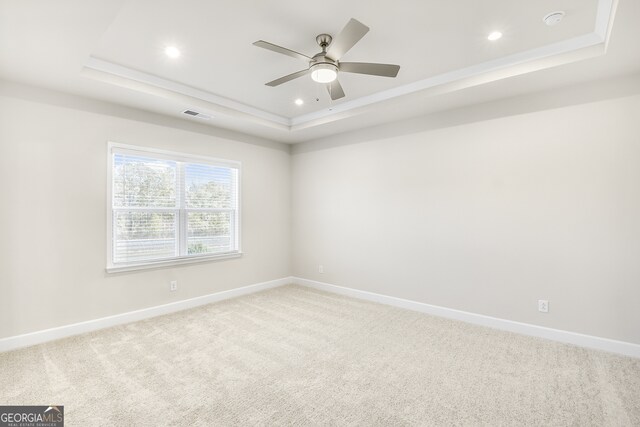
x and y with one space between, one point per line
553 18
172 52
495 36
299 101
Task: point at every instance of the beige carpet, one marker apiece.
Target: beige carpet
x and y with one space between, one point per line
295 356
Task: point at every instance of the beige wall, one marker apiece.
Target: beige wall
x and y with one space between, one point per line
53 213
486 217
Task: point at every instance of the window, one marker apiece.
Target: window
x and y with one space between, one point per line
167 208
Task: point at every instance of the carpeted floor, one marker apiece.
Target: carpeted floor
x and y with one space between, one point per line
297 356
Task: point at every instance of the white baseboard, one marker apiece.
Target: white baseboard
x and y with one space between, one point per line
12 343
582 340
589 341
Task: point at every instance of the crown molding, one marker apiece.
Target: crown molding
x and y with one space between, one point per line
43 95
620 86
120 75
563 52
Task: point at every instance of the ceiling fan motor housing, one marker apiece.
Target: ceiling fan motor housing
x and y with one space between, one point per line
321 58
323 69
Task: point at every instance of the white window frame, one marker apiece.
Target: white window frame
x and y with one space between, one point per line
181 219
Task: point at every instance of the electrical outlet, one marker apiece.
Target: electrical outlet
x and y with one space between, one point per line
173 285
543 305
321 269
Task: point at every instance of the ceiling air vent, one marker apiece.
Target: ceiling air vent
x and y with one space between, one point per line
196 114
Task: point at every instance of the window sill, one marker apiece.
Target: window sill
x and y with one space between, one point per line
172 262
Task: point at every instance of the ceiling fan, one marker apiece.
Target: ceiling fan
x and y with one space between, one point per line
324 66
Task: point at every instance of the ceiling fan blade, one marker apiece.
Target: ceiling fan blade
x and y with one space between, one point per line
348 37
285 79
384 70
335 90
283 50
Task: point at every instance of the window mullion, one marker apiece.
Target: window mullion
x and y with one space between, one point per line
182 215
235 221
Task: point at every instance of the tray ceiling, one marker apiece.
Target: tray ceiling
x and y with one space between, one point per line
442 47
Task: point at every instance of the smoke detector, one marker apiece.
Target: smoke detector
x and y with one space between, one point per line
553 18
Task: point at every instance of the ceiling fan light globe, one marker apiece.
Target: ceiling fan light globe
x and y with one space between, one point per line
324 76
324 73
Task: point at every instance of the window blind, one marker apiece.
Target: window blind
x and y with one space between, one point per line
170 206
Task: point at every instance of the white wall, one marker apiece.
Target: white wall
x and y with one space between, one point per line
53 212
485 217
